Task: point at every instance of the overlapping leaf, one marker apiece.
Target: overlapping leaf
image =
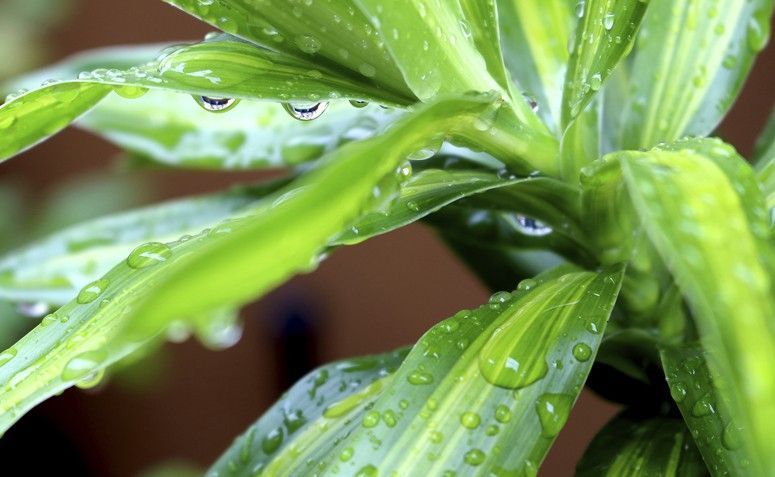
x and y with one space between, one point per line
486 391
604 36
218 68
634 446
733 316
535 37
717 435
256 252
691 59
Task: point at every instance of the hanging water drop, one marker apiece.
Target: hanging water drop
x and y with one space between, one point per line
306 111
216 105
532 227
553 410
357 103
83 365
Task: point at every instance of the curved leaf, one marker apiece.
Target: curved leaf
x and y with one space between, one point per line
691 59
695 392
172 129
733 316
218 68
535 36
54 269
332 33
145 290
319 408
439 404
632 446
604 36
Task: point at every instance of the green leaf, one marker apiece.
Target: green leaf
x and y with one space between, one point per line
172 129
694 390
55 268
331 34
482 23
604 36
432 44
634 446
458 396
252 253
217 68
691 59
313 412
581 141
733 316
535 45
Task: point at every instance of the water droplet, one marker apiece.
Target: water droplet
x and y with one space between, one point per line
83 365
90 292
492 430
420 377
130 92
370 419
367 471
608 21
553 410
390 418
404 171
346 454
7 355
367 70
532 227
306 111
92 380
678 392
703 406
149 254
595 82
732 436
527 284
506 360
436 437
272 441
216 105
474 457
500 297
502 414
470 420
582 352
32 309
580 8
308 44
356 103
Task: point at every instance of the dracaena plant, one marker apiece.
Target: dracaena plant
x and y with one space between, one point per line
560 148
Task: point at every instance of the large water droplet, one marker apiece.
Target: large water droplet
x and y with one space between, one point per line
678 392
306 111
130 92
367 471
502 414
149 254
308 44
272 440
216 105
703 406
474 457
420 377
582 352
553 410
532 227
506 360
608 21
90 292
470 420
83 365
91 380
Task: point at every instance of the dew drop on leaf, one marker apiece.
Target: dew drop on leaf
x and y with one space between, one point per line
367 471
703 407
131 92
582 352
470 420
272 440
149 254
502 414
92 291
553 410
83 365
356 103
678 392
306 111
420 377
474 457
216 105
608 21
308 44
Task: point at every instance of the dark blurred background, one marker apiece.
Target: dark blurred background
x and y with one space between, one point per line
187 403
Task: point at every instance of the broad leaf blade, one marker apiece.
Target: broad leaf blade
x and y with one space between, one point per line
691 59
319 408
172 129
717 434
438 403
733 315
535 45
604 36
219 68
633 446
331 33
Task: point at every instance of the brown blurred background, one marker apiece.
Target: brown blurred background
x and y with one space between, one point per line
364 299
